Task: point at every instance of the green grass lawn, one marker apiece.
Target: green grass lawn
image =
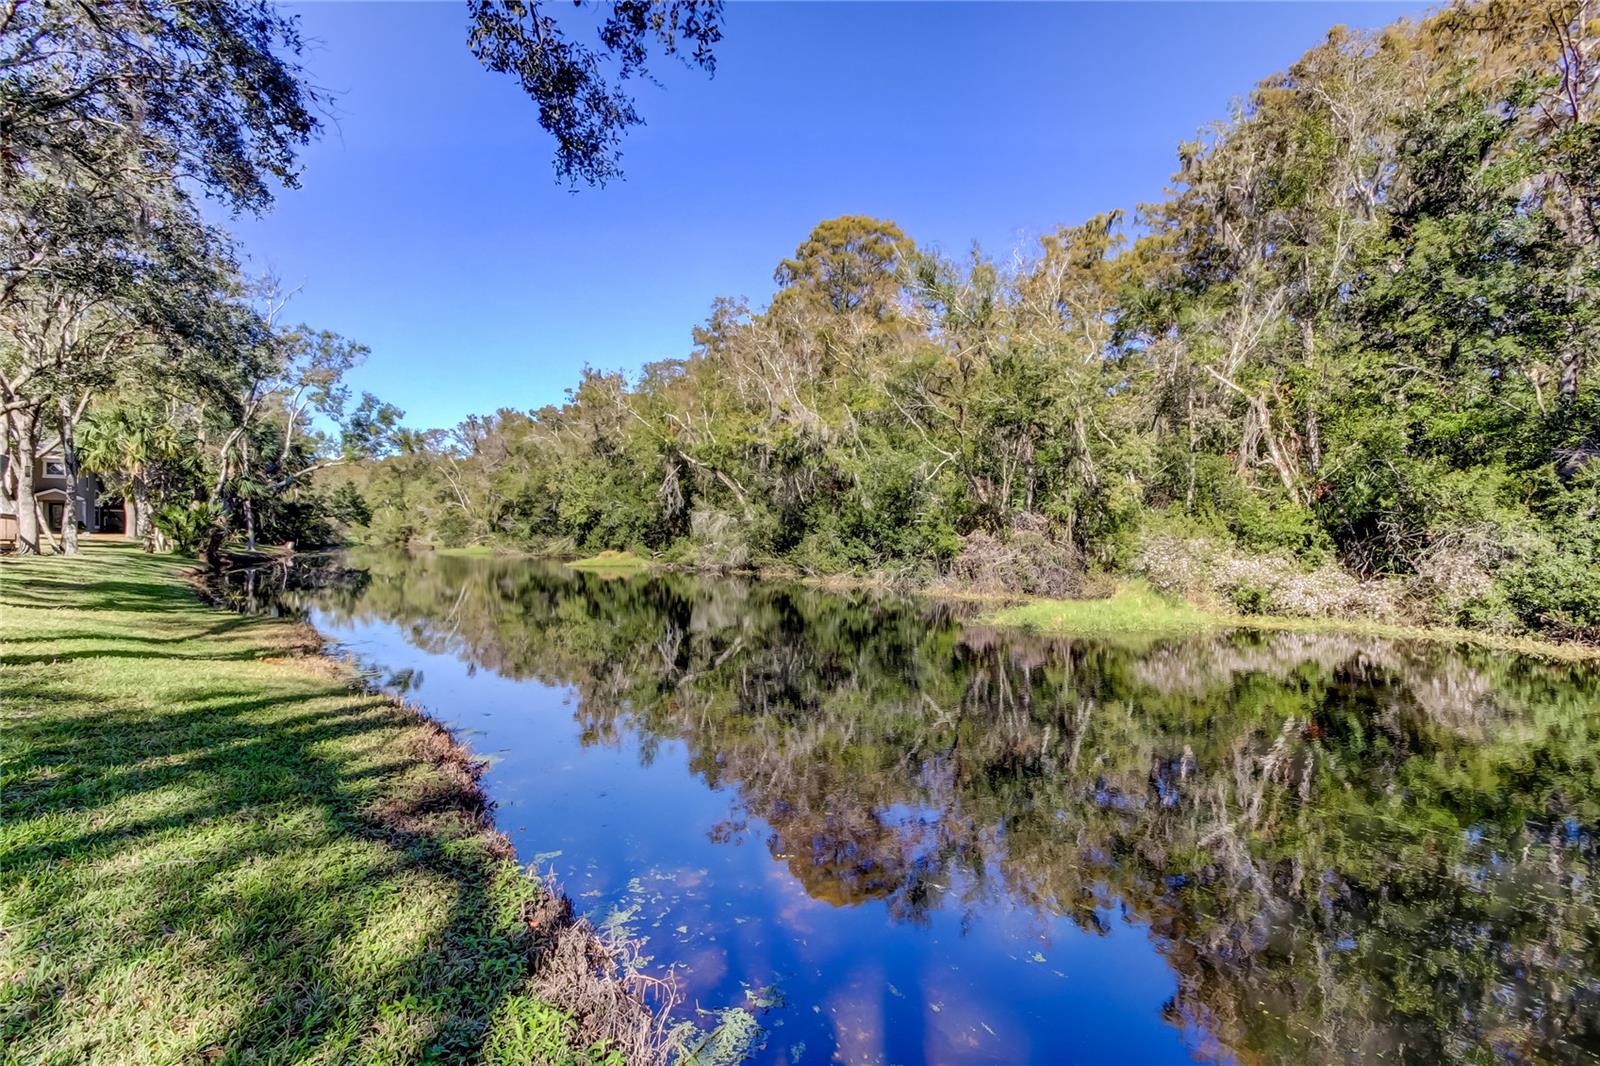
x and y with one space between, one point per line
214 849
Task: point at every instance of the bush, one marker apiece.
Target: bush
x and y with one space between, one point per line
392 528
187 527
1556 590
1030 563
1206 569
302 520
348 507
1457 577
1257 518
1555 585
718 540
1250 599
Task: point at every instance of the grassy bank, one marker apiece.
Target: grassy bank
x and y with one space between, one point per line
1135 610
612 562
214 849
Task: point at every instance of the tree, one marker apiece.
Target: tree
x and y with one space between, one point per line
1349 350
586 110
72 334
114 115
111 112
286 414
847 265
126 444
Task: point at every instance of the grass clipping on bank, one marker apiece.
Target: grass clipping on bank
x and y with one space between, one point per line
213 847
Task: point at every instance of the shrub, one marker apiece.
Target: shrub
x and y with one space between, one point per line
1204 568
1030 563
392 528
1556 590
1250 599
347 506
187 527
1457 576
718 540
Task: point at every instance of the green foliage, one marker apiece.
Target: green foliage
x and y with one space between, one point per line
347 506
1556 584
1352 339
529 1030
1250 599
188 525
847 265
581 104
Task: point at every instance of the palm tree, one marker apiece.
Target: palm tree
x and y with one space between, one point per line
122 444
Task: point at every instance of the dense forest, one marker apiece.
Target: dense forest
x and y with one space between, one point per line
1342 368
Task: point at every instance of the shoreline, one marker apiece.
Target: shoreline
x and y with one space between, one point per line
1214 621
582 972
168 752
1045 616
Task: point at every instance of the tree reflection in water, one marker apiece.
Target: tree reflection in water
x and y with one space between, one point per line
1347 848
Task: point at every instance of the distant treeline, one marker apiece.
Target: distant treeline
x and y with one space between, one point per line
1344 366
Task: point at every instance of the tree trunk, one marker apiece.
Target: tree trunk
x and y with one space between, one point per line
1188 404
7 474
1571 370
45 533
69 464
23 425
250 525
1275 453
141 510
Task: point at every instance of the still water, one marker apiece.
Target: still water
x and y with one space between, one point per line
896 838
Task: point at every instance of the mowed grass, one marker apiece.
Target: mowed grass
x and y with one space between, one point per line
214 849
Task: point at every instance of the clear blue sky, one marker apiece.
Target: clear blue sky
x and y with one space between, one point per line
429 225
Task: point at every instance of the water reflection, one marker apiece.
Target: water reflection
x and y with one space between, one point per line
1335 848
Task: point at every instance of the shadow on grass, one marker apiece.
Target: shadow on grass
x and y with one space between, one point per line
245 655
100 595
266 876
228 625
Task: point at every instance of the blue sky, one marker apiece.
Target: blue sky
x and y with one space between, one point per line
429 225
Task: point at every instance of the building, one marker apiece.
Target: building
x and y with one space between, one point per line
96 512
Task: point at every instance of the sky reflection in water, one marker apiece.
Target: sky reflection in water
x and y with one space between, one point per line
898 839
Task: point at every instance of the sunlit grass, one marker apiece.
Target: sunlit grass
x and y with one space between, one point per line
1133 610
200 854
612 562
469 551
1136 611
